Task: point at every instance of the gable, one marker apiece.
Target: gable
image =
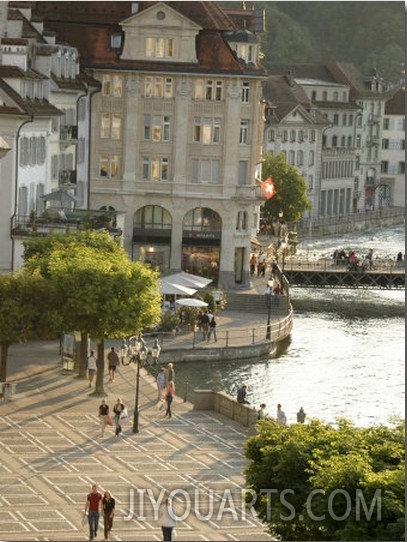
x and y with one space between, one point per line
159 33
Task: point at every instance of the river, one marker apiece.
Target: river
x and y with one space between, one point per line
345 355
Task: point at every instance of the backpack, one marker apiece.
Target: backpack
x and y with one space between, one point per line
212 323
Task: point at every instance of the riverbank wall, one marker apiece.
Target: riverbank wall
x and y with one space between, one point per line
356 222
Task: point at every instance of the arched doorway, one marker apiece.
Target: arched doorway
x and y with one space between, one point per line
152 227
201 242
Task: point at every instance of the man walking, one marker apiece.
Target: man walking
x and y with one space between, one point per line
113 362
93 507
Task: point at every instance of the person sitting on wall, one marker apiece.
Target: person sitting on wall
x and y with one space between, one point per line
242 394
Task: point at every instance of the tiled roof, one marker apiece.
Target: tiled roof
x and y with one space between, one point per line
214 55
397 103
286 95
14 41
68 83
34 107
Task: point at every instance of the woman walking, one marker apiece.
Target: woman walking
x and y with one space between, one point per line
169 396
108 504
118 409
103 415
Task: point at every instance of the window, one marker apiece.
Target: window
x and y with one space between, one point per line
206 130
205 171
155 169
386 124
209 89
300 158
158 87
292 135
401 168
291 157
242 173
244 132
349 141
270 135
112 85
301 136
312 136
245 93
350 120
335 96
311 158
242 221
110 127
334 141
358 141
343 141
336 119
285 135
384 167
344 119
156 128
314 95
109 166
310 182
159 47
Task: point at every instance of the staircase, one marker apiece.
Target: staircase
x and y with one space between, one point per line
255 303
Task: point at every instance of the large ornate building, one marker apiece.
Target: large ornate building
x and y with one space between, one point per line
176 131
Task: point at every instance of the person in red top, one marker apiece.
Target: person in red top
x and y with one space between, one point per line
93 507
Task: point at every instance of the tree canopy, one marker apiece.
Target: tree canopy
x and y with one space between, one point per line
290 189
319 482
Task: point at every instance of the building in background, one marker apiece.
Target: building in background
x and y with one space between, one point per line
392 190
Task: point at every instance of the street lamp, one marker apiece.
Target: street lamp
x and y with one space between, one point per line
269 292
138 355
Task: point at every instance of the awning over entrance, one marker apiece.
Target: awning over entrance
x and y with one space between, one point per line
169 288
188 280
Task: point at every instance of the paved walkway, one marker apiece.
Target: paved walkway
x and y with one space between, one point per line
51 453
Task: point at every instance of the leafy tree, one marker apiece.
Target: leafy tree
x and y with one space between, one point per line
290 189
23 311
329 483
101 293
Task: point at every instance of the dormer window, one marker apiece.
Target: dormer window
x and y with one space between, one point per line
159 47
116 40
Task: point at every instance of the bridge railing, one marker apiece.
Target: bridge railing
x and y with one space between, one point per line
330 264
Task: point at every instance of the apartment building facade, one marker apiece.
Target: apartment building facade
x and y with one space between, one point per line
393 167
176 131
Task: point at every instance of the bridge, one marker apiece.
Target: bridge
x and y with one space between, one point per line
325 273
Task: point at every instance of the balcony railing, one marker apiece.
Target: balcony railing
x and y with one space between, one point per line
54 220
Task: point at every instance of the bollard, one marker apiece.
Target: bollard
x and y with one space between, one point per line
186 392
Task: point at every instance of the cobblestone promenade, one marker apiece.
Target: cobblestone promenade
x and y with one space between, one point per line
51 453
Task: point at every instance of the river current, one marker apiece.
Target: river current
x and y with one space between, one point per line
345 355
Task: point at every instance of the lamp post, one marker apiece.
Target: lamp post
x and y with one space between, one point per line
138 354
268 294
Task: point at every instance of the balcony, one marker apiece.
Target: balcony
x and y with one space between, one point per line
59 220
67 177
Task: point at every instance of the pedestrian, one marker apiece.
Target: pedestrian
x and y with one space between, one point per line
169 374
399 257
108 504
253 262
91 367
212 329
93 506
167 520
113 362
169 396
242 394
261 413
118 409
205 326
103 415
281 417
301 416
160 381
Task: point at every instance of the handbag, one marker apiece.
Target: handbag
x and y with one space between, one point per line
108 420
124 416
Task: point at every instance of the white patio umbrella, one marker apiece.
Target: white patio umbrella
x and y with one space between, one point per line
188 279
169 288
191 302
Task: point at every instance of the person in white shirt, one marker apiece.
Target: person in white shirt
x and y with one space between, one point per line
281 417
167 520
91 367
